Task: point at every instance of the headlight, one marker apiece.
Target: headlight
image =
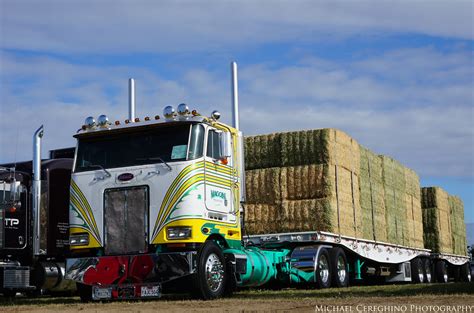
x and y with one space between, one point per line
175 233
79 239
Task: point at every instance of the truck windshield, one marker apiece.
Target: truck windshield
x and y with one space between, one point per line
168 144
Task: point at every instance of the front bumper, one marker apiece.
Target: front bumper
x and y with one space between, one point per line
129 270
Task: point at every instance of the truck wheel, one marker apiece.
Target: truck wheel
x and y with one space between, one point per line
417 271
340 278
466 273
323 269
441 271
427 267
211 277
85 292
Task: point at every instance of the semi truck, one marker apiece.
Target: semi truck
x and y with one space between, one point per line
158 205
34 222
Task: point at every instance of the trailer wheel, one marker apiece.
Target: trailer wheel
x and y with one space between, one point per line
85 292
323 269
441 271
466 273
211 277
427 267
340 277
417 271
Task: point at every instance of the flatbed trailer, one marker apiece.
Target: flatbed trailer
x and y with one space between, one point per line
157 206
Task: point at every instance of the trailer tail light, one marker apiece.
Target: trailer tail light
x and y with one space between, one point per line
176 233
81 239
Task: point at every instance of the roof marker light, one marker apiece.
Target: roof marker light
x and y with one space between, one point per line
137 120
169 112
147 118
117 123
127 121
157 117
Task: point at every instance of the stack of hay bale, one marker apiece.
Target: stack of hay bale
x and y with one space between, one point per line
436 220
372 196
301 181
458 227
413 209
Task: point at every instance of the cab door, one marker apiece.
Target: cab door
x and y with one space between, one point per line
218 175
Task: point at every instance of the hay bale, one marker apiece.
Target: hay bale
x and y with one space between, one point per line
263 185
414 216
458 227
372 200
262 151
393 176
436 220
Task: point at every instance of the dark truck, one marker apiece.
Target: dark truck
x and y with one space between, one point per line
34 222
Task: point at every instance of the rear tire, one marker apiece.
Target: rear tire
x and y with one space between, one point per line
428 270
211 277
441 271
323 269
466 273
340 277
417 271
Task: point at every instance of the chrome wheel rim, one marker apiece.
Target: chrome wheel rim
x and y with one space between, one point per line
214 272
323 268
428 273
341 269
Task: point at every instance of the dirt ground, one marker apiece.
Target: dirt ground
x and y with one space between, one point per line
400 298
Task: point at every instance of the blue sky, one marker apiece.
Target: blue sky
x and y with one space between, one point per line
397 76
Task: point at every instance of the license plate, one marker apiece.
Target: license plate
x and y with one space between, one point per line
150 291
102 293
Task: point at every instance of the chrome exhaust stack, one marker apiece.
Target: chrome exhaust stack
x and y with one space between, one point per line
235 97
131 100
236 125
37 189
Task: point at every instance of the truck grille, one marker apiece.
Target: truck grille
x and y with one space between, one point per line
16 278
126 216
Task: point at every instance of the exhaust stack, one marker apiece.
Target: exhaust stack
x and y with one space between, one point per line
37 188
235 97
235 124
131 100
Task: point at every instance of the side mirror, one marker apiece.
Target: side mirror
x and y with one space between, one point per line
225 145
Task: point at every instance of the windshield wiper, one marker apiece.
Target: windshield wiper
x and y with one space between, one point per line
159 159
107 173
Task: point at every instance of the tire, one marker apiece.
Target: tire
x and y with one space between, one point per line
85 292
323 269
428 270
466 273
441 271
210 261
417 271
340 277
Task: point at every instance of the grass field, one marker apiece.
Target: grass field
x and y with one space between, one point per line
455 297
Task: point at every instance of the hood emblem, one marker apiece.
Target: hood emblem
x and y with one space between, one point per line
125 177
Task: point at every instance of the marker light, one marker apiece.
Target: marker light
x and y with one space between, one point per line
127 121
183 109
147 118
137 120
117 123
216 115
103 120
157 117
90 122
169 112
195 113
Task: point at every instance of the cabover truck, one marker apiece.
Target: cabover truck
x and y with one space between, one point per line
34 223
158 205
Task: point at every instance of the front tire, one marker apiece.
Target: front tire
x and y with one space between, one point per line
340 277
211 277
466 273
323 269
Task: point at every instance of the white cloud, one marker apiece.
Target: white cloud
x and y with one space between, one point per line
186 26
425 122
